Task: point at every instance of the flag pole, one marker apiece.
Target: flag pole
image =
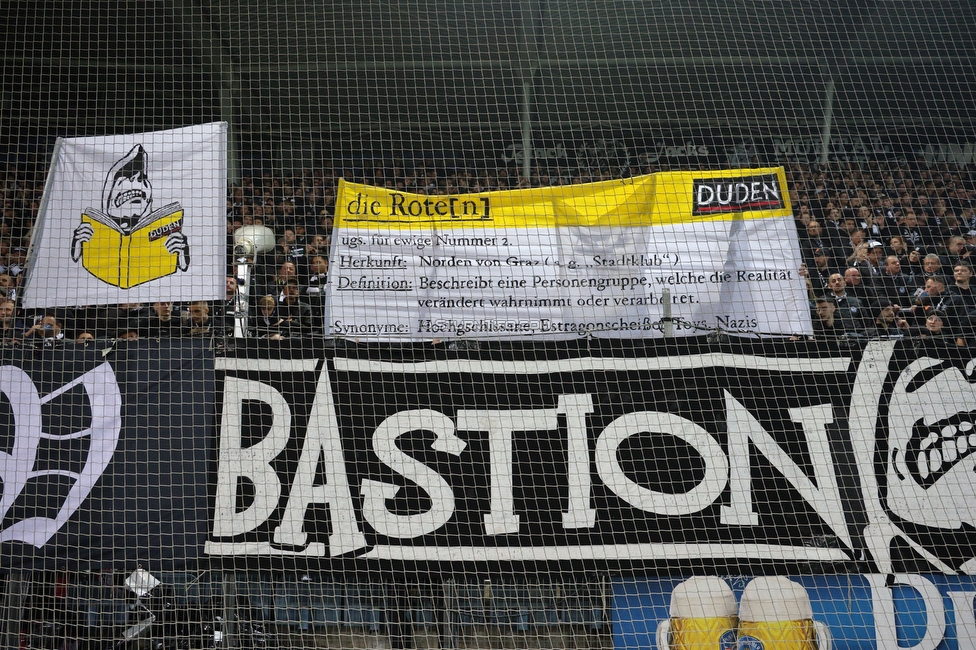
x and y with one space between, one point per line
249 242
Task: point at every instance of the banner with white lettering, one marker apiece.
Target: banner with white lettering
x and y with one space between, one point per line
615 259
132 218
635 456
733 456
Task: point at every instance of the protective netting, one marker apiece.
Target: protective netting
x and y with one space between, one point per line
536 324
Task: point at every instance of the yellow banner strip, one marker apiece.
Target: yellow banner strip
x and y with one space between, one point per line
652 200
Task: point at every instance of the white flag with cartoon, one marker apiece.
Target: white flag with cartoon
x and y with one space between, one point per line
132 218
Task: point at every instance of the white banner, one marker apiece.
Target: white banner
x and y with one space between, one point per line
602 259
132 218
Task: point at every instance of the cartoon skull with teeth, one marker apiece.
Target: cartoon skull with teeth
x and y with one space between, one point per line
128 192
930 475
932 443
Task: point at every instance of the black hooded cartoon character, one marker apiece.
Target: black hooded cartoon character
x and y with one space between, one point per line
127 198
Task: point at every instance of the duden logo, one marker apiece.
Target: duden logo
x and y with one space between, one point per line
742 194
42 488
126 243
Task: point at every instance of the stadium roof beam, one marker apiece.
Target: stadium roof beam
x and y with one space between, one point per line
693 61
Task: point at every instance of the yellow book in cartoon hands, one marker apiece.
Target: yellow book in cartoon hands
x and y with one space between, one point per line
127 260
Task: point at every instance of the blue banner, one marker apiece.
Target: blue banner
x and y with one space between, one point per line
861 611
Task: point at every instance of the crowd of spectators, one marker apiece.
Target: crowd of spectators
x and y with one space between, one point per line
887 251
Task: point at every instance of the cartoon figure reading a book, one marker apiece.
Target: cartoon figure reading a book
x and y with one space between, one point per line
127 243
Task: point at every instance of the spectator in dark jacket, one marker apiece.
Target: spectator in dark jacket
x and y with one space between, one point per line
267 323
895 285
297 315
849 310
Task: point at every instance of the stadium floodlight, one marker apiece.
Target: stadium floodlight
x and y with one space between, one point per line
249 242
252 240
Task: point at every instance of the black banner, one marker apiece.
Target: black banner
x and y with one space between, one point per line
650 457
105 455
725 456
